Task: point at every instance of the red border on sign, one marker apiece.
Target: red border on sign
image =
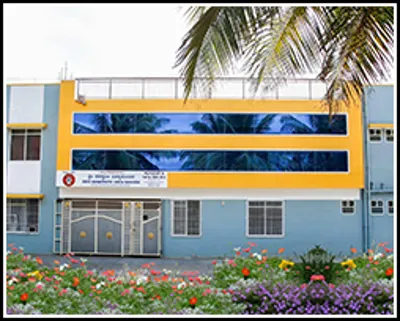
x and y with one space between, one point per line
68 180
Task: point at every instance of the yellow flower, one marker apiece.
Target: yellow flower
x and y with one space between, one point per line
349 263
284 264
36 274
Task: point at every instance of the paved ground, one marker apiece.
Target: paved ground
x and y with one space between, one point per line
117 263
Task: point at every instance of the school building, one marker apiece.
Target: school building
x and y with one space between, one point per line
123 166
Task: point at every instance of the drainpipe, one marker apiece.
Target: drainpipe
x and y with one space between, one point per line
366 191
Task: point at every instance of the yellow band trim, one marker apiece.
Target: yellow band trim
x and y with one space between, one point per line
36 196
380 126
22 126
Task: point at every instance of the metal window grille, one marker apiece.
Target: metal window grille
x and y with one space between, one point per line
25 144
265 218
23 215
375 135
376 207
186 218
348 207
389 134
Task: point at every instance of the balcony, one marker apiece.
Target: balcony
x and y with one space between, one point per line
173 88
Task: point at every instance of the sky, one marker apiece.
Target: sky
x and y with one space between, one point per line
97 40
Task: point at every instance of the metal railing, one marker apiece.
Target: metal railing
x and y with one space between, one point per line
173 88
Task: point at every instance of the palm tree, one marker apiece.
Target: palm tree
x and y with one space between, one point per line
120 159
315 124
349 47
122 123
230 160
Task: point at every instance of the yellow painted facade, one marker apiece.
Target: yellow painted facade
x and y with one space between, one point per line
26 126
24 196
352 142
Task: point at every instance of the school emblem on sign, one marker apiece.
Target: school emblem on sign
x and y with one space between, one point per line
68 180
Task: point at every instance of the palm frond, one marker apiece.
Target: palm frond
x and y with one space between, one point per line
215 42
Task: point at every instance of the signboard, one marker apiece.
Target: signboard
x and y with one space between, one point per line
149 179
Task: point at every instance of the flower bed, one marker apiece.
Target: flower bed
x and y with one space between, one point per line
249 283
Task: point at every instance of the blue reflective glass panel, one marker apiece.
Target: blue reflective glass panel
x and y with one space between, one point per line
211 160
209 123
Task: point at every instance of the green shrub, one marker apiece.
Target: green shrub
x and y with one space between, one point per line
316 261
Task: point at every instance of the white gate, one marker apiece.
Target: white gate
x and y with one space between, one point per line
109 227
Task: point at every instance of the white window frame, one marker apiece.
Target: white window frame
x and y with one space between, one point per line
25 232
173 218
381 135
390 214
25 135
383 207
348 206
264 235
386 136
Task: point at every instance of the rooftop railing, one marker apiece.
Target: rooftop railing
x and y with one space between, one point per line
173 88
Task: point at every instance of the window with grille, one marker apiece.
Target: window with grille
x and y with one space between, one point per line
25 144
186 218
348 207
23 215
390 207
389 134
377 207
375 134
265 218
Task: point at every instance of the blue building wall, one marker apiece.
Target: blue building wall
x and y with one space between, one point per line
379 105
7 138
43 241
307 223
381 226
379 101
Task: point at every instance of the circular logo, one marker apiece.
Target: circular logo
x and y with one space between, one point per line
68 180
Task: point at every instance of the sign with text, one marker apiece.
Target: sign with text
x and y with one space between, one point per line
147 179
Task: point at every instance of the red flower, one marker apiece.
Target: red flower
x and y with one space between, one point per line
388 250
24 297
193 301
247 250
214 262
245 272
389 272
327 267
252 244
39 260
76 282
237 253
308 267
353 250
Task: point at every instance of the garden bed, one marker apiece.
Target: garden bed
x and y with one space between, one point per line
250 282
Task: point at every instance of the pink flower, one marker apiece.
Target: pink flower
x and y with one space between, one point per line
90 272
317 278
214 262
125 292
332 286
39 286
304 285
252 244
234 264
231 261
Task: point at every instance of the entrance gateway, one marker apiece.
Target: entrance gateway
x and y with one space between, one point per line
108 227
